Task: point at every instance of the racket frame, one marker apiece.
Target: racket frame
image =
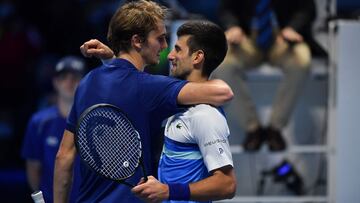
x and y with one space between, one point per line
83 114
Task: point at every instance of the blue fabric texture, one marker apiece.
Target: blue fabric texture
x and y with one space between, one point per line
142 97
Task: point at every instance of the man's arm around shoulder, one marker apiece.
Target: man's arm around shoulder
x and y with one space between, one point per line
215 92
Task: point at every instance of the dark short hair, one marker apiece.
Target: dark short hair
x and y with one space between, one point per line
208 37
137 17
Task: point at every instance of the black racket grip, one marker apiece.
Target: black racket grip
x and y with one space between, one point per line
143 169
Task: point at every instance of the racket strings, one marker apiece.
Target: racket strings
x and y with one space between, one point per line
109 143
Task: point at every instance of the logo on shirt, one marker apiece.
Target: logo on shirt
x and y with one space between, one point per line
215 142
178 126
52 141
221 150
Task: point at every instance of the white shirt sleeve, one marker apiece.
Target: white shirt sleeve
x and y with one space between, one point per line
210 130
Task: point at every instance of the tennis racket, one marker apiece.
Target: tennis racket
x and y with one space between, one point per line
109 144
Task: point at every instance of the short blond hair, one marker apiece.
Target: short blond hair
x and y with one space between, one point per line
138 17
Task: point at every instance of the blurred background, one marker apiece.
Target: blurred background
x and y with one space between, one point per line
34 35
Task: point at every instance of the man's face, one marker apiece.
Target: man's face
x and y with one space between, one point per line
154 44
180 60
66 84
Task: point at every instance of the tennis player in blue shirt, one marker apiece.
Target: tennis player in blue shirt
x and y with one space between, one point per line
46 127
137 36
196 163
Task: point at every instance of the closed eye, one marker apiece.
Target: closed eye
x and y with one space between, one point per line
177 48
162 38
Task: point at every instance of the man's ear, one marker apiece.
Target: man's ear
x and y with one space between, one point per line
198 57
136 41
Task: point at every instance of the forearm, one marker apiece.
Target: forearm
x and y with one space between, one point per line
220 185
63 174
33 172
214 92
216 187
34 183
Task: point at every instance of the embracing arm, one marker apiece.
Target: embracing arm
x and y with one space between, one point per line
220 185
215 92
33 172
64 168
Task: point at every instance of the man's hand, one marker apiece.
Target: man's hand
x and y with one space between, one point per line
151 190
289 34
234 35
95 48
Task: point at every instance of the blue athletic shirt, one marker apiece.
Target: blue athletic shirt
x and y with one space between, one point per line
139 95
196 142
42 140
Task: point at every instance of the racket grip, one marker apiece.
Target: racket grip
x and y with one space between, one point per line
37 196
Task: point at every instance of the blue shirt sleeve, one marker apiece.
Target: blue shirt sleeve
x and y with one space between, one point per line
71 120
159 94
31 148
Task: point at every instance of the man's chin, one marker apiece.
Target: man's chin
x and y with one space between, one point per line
152 61
174 75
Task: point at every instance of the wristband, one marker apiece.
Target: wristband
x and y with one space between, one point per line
179 191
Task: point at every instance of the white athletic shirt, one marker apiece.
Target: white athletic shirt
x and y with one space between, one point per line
196 142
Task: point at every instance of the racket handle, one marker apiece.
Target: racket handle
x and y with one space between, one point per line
37 196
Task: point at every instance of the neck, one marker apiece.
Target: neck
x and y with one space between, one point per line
64 106
196 76
134 58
